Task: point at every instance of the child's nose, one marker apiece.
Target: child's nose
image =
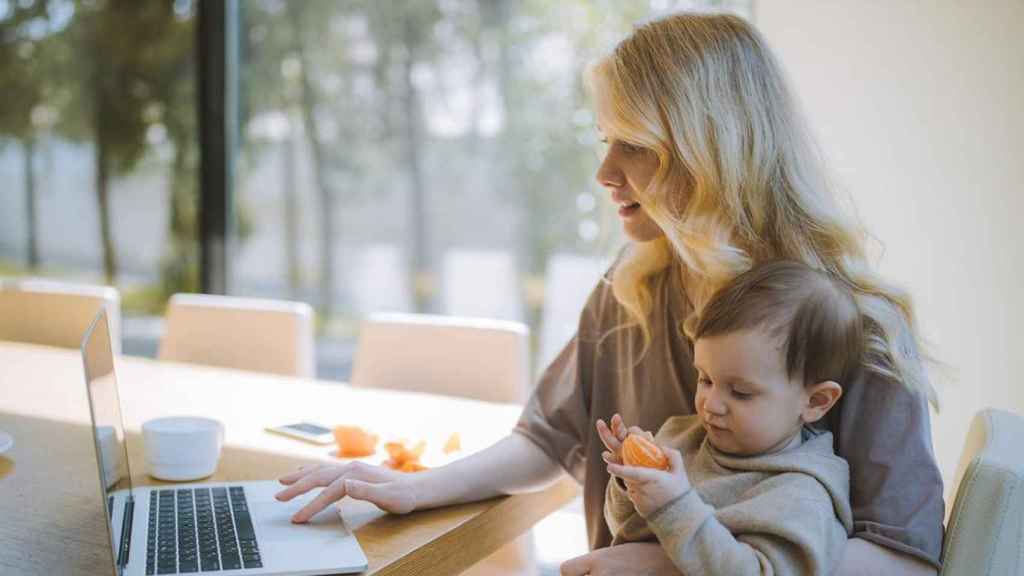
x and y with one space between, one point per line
714 404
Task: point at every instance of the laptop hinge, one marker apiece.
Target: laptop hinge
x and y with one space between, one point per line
126 533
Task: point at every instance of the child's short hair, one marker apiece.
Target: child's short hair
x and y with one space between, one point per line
816 317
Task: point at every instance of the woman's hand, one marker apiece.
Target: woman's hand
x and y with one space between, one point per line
650 489
631 559
388 489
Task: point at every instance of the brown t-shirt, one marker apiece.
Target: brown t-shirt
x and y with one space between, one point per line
881 428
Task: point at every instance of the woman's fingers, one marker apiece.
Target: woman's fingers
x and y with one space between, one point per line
322 476
332 493
290 479
335 479
389 496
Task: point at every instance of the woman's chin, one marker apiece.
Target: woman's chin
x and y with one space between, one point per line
642 231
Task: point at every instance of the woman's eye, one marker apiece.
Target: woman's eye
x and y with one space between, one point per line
741 395
703 382
631 148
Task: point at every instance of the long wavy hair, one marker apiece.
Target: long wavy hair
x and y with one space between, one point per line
739 179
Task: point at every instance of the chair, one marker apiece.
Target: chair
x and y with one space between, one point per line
469 357
56 313
273 336
568 282
985 532
480 283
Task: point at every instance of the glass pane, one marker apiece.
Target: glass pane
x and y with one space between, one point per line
429 156
98 149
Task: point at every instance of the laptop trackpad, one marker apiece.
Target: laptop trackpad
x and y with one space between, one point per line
275 525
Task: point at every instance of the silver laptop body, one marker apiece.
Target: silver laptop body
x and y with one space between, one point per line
210 528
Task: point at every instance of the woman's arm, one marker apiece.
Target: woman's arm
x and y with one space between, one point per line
511 466
863 558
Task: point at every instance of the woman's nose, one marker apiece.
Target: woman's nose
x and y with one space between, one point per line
608 173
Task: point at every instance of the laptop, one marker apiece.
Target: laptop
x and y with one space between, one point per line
223 528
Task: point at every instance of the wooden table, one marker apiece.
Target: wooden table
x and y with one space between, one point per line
51 515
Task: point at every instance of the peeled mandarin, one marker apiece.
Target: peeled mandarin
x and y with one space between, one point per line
637 450
354 442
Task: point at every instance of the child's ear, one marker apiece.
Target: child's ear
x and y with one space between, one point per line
820 399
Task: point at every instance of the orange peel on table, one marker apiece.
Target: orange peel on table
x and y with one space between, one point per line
403 458
354 442
637 450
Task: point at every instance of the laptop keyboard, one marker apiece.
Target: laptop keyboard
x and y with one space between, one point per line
200 530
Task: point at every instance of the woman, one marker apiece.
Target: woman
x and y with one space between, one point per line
713 172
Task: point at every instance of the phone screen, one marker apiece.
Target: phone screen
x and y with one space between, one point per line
308 428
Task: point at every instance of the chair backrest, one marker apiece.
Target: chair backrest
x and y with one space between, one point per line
273 336
473 358
568 281
56 313
480 284
984 534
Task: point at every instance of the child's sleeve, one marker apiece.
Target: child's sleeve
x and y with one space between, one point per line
624 522
789 528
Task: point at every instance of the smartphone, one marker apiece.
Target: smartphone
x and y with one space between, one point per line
307 431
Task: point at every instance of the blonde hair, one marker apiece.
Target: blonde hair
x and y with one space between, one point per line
739 180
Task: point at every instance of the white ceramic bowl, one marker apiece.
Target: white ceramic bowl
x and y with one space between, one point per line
182 448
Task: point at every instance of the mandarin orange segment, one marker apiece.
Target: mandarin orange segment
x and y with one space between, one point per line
637 450
454 444
412 466
403 458
354 442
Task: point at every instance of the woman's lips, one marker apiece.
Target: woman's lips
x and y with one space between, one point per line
628 210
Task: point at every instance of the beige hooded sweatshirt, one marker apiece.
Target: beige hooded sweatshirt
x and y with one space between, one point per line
782 513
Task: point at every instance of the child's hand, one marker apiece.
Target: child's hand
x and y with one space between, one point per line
650 489
613 437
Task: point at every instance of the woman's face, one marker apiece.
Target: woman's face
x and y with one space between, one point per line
625 170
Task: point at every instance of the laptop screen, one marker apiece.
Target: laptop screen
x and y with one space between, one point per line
108 426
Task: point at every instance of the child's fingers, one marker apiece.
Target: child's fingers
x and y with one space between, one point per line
633 473
618 427
610 458
675 458
609 439
641 432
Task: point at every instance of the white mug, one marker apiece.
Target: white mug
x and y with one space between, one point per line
181 448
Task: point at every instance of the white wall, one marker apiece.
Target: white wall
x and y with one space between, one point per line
920 108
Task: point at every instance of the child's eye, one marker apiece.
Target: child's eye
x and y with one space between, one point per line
702 381
742 395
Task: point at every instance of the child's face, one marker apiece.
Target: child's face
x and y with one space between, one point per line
745 399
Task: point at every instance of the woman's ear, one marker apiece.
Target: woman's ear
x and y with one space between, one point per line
820 399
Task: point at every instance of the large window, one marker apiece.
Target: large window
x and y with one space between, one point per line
428 156
424 155
98 148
